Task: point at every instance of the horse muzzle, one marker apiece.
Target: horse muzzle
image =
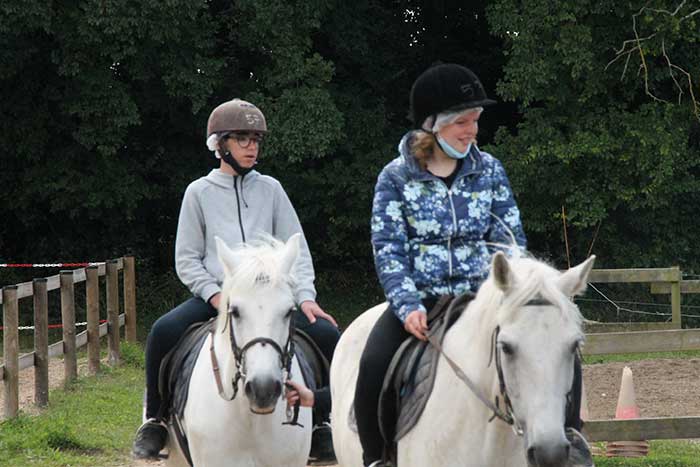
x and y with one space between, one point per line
548 455
263 394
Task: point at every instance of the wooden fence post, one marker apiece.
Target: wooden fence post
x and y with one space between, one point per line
70 358
92 303
130 298
676 300
112 280
41 342
10 319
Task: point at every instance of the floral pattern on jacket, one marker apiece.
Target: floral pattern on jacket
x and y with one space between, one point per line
429 240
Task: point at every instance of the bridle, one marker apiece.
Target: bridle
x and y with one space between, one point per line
286 354
506 414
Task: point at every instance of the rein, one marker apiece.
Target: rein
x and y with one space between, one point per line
507 416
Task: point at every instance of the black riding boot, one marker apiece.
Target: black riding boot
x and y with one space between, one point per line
150 440
322 452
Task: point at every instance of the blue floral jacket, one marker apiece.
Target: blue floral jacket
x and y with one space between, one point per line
429 240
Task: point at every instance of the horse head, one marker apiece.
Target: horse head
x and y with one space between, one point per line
255 310
536 337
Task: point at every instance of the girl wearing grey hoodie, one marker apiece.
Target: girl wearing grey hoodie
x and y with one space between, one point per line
235 203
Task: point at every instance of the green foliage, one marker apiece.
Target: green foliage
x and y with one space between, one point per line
592 140
132 355
105 104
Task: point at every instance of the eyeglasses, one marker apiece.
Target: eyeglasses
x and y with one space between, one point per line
244 139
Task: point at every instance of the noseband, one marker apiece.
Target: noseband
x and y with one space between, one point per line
285 354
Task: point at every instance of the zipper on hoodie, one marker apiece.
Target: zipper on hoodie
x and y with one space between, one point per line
238 205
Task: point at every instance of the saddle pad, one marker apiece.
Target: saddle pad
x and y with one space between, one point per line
411 376
176 368
314 366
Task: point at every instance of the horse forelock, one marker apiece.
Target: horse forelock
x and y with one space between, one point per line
258 267
534 279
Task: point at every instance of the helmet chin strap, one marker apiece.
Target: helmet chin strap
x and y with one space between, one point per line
230 160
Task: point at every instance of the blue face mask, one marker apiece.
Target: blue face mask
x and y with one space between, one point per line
450 151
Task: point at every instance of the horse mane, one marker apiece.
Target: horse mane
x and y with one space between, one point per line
258 265
533 279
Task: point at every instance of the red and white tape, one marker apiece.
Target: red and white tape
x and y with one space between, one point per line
49 265
50 326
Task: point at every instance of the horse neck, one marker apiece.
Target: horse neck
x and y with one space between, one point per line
468 342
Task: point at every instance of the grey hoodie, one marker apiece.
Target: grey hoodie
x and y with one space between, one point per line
236 209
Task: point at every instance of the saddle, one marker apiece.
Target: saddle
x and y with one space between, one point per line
410 378
177 366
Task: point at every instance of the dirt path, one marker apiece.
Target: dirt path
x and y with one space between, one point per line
26 385
664 388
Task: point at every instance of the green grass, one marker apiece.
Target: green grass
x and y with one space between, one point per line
631 357
677 453
91 424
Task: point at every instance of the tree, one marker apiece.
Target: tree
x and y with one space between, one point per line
616 148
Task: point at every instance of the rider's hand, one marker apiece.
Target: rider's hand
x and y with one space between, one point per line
298 392
215 299
417 324
312 311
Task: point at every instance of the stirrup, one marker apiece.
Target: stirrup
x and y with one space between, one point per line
322 452
150 439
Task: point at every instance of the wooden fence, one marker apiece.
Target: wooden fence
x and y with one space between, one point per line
65 281
662 280
645 337
643 428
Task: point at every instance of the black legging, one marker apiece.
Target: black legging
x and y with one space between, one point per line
168 329
383 342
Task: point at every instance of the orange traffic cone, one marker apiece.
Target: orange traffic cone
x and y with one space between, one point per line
626 409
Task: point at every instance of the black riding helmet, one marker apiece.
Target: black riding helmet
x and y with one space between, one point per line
446 87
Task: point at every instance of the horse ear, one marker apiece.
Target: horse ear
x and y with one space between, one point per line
502 274
291 252
226 256
574 281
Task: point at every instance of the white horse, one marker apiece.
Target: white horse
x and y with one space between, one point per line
251 348
524 320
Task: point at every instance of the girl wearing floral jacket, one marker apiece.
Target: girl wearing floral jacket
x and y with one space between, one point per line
440 210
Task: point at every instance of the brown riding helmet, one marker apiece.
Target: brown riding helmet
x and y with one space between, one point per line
236 115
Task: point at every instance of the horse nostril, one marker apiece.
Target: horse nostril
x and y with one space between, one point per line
248 389
278 389
531 456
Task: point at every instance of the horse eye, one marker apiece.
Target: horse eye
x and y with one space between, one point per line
575 347
507 349
234 311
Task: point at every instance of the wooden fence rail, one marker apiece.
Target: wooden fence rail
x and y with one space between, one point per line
642 341
65 281
639 429
668 279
